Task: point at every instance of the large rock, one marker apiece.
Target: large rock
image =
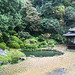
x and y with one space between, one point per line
2 52
60 71
23 58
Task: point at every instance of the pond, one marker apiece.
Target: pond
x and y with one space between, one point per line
45 53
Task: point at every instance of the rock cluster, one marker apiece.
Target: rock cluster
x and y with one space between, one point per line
2 52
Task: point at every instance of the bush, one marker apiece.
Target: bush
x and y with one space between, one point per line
52 42
12 32
14 45
5 59
59 38
30 41
40 39
12 56
16 39
25 35
31 46
1 39
3 45
43 44
5 37
21 45
15 55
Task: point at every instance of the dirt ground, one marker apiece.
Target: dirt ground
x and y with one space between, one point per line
43 65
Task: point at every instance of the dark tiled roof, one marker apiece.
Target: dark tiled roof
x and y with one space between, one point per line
69 34
72 29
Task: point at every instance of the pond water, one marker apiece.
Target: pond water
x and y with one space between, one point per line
49 53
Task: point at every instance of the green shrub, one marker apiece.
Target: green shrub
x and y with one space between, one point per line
15 55
30 41
5 59
21 45
5 37
12 56
3 45
14 45
25 35
31 46
16 39
12 32
59 38
43 44
52 42
1 39
40 39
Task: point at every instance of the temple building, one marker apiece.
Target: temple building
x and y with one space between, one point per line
70 36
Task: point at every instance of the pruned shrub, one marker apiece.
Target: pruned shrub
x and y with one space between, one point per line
52 42
25 35
2 46
16 39
15 55
40 39
12 56
21 45
5 59
14 45
12 32
43 44
5 37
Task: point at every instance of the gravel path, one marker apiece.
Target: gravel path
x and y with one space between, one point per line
43 65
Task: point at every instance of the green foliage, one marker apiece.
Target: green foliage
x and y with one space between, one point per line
15 55
59 38
1 39
21 45
41 38
5 59
12 56
5 37
12 32
31 41
32 18
47 10
70 13
14 45
2 46
51 25
43 44
16 39
25 35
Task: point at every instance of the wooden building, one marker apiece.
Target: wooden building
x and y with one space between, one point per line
70 36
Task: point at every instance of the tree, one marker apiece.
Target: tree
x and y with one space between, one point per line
32 19
47 10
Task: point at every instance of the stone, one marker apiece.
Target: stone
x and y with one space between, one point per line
74 73
32 56
60 71
23 58
2 52
1 62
